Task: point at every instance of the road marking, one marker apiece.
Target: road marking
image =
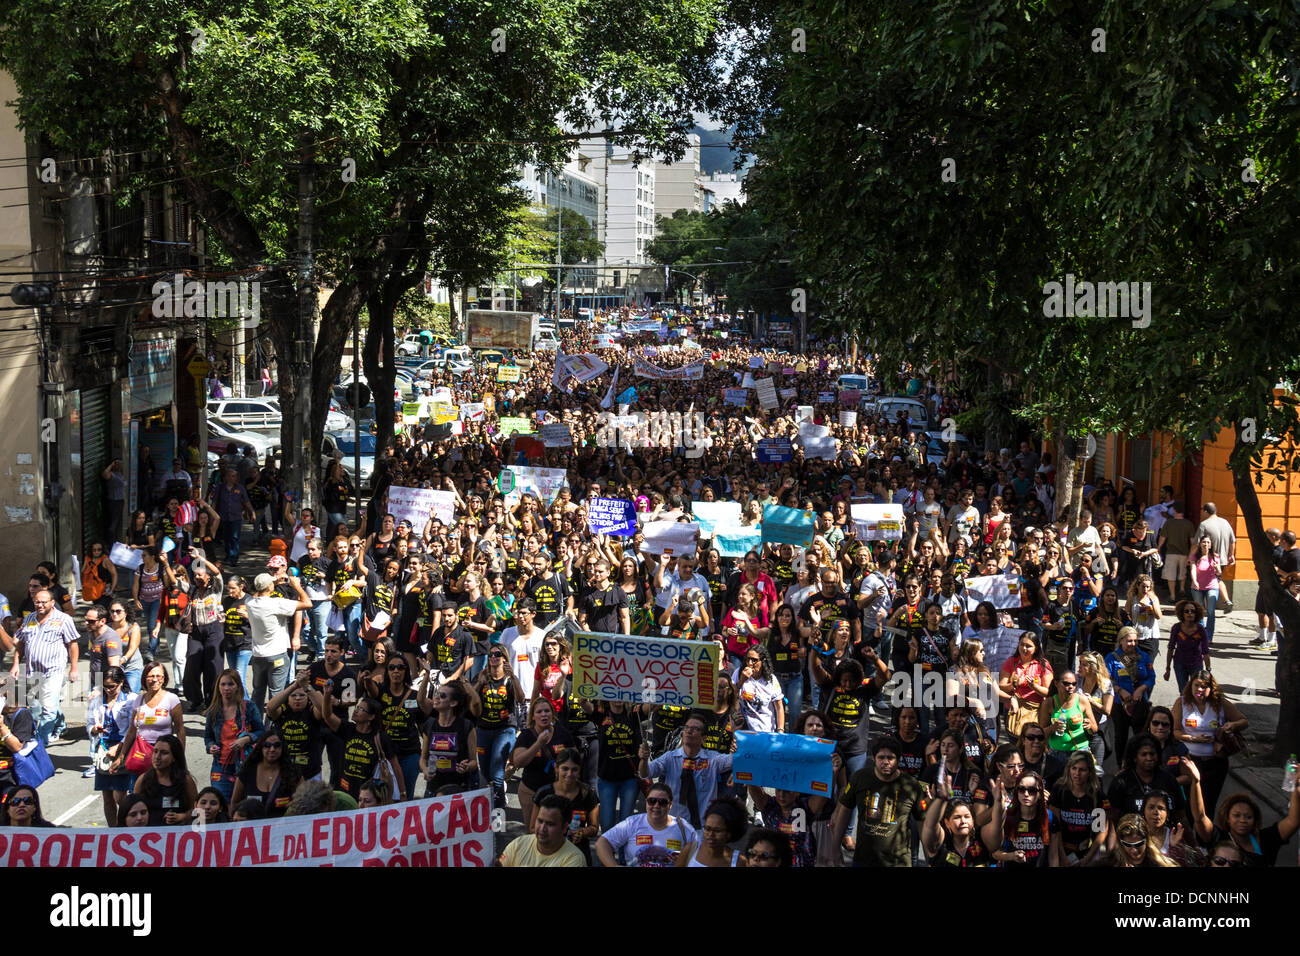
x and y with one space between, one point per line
86 801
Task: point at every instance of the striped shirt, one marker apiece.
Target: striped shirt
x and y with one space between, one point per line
45 644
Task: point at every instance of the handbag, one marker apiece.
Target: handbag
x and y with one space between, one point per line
1227 743
140 759
32 765
347 596
1019 719
185 623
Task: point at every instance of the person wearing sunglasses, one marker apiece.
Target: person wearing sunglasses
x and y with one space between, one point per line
1137 846
497 726
768 848
1023 833
401 715
651 839
21 807
1238 822
448 740
1066 717
268 776
1225 854
108 717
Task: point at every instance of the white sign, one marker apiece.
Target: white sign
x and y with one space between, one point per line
673 538
542 483
877 522
414 505
125 557
1001 591
766 392
848 418
789 392
556 436
716 514
473 412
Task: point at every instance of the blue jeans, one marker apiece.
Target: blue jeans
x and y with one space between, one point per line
1208 600
134 671
1182 673
410 764
851 766
149 626
494 747
624 792
352 623
230 529
270 676
222 778
315 628
792 688
239 661
336 518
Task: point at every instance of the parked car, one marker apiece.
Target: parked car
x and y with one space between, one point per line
221 433
343 442
263 414
936 447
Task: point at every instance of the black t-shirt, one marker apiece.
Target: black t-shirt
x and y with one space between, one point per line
620 741
932 650
401 717
361 756
845 711
912 759
237 632
541 770
301 732
477 612
449 645
313 572
831 609
976 854
581 812
275 801
1072 818
1127 791
883 808
1107 630
1028 837
448 746
602 609
346 689
913 622
341 572
498 699
549 594
719 731
574 718
1264 847
968 784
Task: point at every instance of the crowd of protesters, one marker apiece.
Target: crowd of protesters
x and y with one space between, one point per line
367 657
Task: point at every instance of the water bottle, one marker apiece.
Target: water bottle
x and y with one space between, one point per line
1289 775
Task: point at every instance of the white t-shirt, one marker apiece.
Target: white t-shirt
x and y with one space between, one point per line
524 652
643 845
300 538
1087 536
927 517
269 618
963 522
756 697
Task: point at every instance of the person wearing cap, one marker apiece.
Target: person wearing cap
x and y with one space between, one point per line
270 618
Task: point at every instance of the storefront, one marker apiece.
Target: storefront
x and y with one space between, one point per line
148 413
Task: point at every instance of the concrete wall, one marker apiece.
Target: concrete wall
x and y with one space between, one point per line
21 487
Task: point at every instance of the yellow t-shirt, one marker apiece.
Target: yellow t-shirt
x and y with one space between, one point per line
524 852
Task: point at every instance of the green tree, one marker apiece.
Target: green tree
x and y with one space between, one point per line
433 106
936 167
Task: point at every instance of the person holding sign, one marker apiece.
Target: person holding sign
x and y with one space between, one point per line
761 706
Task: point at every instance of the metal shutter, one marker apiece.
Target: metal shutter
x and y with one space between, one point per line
94 459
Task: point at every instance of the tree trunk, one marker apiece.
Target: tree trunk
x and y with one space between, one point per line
1064 477
1276 599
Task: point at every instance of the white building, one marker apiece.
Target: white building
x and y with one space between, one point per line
723 188
677 185
626 220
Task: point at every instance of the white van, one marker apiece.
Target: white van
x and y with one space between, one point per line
918 416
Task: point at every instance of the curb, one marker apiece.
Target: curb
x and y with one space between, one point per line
1270 798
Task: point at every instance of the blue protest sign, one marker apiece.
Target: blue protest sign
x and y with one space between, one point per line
736 542
735 396
774 450
787 526
611 516
628 396
784 761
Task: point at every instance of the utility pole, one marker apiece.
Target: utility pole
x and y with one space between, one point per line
559 243
303 339
356 416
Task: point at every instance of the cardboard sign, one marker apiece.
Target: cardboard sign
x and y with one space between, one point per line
736 542
611 516
784 761
513 426
508 373
645 670
542 483
766 389
438 831
848 419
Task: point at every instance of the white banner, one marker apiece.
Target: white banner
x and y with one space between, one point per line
439 831
692 372
583 367
877 522
672 538
125 557
1001 591
473 412
848 419
414 505
716 514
